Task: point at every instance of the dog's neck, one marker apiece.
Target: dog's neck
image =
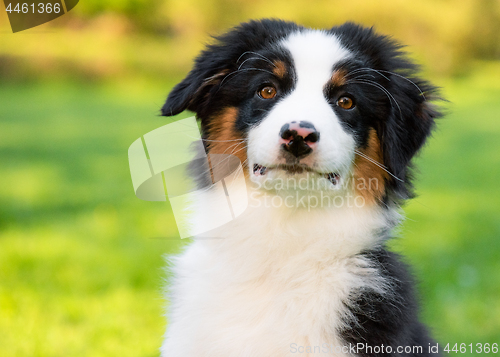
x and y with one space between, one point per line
271 226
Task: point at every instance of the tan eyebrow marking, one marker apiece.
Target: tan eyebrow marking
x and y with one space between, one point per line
279 69
339 77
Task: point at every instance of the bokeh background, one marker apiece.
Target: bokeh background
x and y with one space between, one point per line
81 267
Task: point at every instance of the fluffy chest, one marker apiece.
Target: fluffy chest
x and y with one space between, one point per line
269 291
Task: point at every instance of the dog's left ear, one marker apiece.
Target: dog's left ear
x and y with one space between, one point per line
406 128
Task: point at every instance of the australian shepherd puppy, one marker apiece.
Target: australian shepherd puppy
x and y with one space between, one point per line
325 124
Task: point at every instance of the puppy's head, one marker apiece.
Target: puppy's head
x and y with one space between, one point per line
341 104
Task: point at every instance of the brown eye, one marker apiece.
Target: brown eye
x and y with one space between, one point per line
345 103
267 92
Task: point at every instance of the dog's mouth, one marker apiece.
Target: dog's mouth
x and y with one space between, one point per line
260 170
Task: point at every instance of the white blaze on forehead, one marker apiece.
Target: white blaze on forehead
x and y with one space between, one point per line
314 55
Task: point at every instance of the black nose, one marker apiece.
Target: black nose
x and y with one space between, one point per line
299 138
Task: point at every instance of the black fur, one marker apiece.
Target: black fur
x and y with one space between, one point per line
389 319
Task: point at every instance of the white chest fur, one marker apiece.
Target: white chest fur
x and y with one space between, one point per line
275 282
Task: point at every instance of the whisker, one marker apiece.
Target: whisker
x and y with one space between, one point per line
223 141
375 196
379 71
240 168
257 58
357 152
379 86
407 79
239 149
363 75
223 161
233 146
368 69
240 71
232 153
257 54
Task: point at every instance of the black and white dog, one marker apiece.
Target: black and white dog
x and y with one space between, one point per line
326 123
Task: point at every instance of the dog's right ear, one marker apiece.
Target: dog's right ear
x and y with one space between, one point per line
194 90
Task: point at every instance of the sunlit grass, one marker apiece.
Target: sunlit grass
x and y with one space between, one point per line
81 257
451 234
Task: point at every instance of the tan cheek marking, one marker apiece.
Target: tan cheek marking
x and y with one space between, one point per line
224 138
279 69
339 78
369 179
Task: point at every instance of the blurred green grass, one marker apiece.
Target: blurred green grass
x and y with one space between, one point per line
452 235
81 257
